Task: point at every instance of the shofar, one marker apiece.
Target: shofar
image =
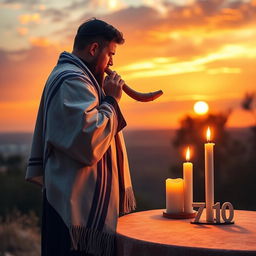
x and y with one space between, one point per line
139 96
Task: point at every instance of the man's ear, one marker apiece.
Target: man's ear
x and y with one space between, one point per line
93 48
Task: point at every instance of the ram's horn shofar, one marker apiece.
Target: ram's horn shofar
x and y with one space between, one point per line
139 96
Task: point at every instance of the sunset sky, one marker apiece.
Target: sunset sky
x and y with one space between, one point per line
192 50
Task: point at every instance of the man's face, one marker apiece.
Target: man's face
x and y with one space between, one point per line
104 59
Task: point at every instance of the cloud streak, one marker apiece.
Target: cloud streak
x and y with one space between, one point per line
169 66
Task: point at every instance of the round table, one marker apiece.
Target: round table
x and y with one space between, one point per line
149 233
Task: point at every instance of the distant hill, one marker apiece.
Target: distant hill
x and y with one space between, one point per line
133 137
15 138
150 154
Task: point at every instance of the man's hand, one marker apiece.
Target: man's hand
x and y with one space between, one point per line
113 85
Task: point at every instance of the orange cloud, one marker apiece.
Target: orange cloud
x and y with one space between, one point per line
187 13
185 32
30 18
39 41
22 31
226 16
157 67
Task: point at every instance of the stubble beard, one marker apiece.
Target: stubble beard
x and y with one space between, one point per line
100 77
97 72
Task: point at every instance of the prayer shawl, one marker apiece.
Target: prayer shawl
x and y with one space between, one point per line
78 155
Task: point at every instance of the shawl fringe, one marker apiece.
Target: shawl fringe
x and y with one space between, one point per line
92 241
129 201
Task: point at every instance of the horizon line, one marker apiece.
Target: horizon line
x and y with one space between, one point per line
138 129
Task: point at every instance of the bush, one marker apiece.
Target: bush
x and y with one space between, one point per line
19 235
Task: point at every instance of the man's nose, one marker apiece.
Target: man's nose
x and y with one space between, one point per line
110 63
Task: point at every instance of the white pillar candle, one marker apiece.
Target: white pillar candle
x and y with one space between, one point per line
174 196
209 177
188 184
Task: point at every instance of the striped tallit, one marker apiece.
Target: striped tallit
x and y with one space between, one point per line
78 155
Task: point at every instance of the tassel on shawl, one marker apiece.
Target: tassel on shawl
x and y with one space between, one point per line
100 243
129 202
92 241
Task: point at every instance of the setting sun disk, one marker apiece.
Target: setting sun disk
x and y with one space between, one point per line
201 107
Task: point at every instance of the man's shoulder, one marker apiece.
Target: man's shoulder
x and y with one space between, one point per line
65 71
67 68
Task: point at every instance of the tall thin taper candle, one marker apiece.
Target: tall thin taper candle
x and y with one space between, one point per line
209 177
188 183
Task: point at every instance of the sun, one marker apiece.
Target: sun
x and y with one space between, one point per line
201 107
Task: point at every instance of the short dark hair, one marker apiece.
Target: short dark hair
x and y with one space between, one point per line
94 30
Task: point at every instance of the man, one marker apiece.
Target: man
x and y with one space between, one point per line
78 154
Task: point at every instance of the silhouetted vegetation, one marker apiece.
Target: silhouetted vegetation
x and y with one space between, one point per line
20 209
19 235
15 192
247 104
235 164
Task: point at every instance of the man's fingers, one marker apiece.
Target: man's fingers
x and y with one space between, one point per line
121 83
112 75
117 78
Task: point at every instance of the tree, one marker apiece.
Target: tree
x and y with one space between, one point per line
232 170
247 104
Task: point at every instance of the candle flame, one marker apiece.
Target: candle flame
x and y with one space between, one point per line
188 154
208 134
